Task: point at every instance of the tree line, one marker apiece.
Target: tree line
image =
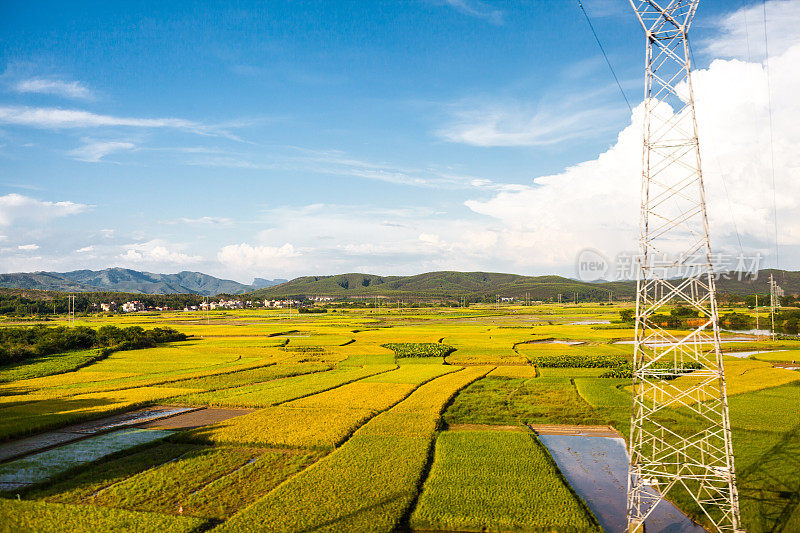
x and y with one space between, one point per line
21 343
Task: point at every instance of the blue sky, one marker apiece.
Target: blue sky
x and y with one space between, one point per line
277 139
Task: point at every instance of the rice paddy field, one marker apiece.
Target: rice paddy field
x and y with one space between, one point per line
357 420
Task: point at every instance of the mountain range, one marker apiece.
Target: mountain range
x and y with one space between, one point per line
443 284
130 281
487 284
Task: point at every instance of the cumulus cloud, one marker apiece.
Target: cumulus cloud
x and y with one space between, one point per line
244 256
741 32
14 207
67 89
85 249
95 151
595 203
28 247
157 251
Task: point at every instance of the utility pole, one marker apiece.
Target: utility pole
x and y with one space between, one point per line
675 266
773 302
71 310
757 316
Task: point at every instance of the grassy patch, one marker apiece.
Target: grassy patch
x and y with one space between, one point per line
484 402
48 365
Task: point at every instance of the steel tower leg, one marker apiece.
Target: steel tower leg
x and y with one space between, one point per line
675 267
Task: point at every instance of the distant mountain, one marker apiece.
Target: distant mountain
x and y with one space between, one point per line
487 284
124 280
260 283
445 284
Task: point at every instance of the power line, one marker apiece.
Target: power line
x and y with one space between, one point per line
596 38
719 166
771 135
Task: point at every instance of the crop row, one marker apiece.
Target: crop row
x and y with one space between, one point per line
25 418
370 481
320 420
496 481
577 361
60 518
283 390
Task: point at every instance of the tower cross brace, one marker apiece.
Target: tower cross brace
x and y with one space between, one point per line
676 370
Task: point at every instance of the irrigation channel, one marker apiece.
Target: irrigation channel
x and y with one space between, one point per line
594 461
36 459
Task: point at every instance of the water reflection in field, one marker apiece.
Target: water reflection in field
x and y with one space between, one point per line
597 469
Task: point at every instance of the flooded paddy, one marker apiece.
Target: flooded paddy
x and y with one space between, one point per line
596 465
41 466
748 354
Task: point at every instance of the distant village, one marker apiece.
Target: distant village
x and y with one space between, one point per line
135 305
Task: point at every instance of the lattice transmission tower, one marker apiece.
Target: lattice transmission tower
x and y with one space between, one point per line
691 451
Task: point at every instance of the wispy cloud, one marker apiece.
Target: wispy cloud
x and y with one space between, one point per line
94 151
336 163
201 221
66 89
28 247
520 124
478 9
57 118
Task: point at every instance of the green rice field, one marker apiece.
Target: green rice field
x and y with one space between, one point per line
361 420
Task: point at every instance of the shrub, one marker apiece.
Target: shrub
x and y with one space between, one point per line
419 349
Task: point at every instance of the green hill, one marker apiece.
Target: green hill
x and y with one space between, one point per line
444 284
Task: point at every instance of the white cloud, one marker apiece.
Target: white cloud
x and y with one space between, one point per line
202 221
741 32
241 257
157 251
107 233
57 118
15 207
517 124
595 203
339 163
95 151
67 89
85 249
28 247
478 9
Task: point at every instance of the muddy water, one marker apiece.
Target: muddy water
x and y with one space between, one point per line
597 469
